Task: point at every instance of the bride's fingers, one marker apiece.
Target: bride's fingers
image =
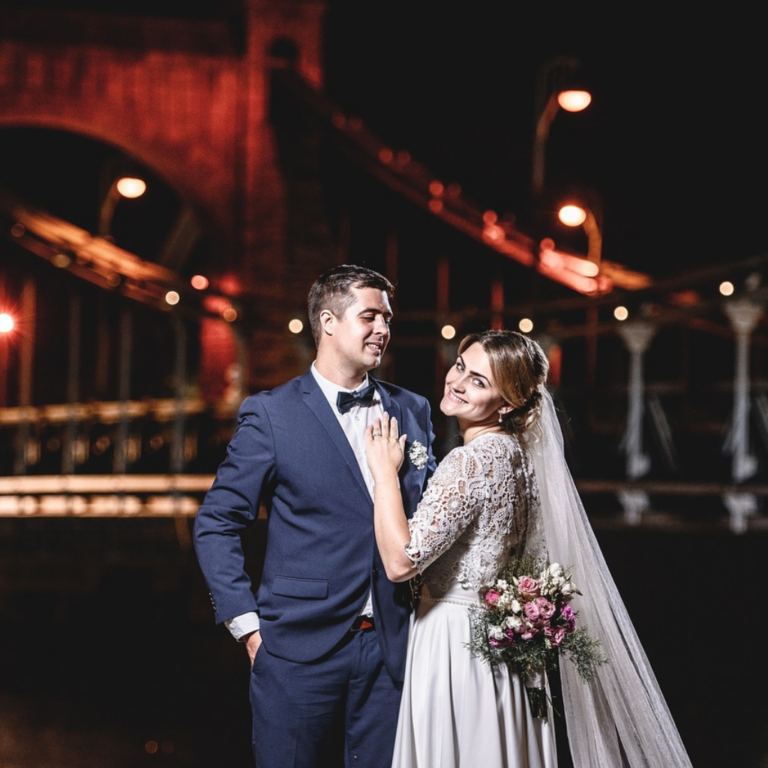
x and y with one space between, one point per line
389 426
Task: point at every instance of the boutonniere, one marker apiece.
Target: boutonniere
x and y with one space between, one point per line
418 455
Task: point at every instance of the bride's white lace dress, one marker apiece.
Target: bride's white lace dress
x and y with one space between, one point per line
481 506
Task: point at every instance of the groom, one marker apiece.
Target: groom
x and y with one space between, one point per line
326 631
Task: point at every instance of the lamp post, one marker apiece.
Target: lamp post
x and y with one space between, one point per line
130 187
574 216
553 92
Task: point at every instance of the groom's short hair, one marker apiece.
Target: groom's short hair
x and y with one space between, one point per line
332 290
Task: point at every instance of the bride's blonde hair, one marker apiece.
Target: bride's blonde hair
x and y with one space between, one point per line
519 368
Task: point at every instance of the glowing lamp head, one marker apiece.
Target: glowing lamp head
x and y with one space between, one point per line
572 215
6 323
574 101
131 187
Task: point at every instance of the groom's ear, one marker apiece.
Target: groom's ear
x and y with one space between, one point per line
327 320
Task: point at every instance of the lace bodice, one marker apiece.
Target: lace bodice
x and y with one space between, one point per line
480 506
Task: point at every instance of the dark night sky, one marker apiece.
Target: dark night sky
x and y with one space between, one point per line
673 145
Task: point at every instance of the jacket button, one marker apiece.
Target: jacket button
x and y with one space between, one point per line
375 573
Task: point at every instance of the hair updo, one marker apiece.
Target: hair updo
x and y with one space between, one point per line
519 368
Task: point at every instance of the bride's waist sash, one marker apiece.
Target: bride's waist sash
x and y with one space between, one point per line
454 594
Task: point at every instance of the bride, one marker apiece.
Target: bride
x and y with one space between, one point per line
506 491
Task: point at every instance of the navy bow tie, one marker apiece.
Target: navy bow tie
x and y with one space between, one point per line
345 400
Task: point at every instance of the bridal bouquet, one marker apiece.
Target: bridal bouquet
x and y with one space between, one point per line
527 623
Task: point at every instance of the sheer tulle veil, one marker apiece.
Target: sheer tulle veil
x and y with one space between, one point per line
621 718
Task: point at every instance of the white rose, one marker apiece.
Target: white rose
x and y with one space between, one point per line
513 622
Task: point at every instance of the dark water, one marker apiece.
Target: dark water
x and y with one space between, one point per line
109 657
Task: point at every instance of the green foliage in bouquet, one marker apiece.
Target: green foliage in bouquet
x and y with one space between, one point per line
526 622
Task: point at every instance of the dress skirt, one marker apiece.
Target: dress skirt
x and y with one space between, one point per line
456 711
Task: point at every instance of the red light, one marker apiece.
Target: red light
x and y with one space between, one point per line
6 323
436 188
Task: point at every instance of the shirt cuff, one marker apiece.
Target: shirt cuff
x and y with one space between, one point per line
243 625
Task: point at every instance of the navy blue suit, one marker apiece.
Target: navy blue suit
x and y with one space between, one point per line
290 453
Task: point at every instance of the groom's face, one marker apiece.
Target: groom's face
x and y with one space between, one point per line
360 336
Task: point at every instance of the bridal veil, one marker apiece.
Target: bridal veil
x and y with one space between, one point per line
621 718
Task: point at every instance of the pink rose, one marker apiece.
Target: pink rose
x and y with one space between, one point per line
555 634
546 609
492 597
528 587
569 617
531 611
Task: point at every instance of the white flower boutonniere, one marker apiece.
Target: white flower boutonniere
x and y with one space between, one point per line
418 455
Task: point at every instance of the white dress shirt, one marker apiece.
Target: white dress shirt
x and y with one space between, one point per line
354 423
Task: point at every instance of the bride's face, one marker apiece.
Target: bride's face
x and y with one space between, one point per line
470 392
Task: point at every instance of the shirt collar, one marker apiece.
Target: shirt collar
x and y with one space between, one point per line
330 390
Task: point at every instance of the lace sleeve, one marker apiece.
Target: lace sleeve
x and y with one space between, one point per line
454 497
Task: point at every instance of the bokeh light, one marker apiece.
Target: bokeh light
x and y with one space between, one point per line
621 313
295 326
525 325
448 332
727 288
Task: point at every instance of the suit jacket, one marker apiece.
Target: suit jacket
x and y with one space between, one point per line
290 452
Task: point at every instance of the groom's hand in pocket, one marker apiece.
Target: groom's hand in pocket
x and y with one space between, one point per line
252 644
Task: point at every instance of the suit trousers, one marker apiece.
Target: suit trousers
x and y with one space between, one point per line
340 710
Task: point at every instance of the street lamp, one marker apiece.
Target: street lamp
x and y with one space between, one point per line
130 187
575 216
553 91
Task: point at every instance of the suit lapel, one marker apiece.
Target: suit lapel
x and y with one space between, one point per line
316 401
388 403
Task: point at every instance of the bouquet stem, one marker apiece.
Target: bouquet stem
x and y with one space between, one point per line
537 699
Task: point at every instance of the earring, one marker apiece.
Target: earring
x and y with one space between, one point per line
501 418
